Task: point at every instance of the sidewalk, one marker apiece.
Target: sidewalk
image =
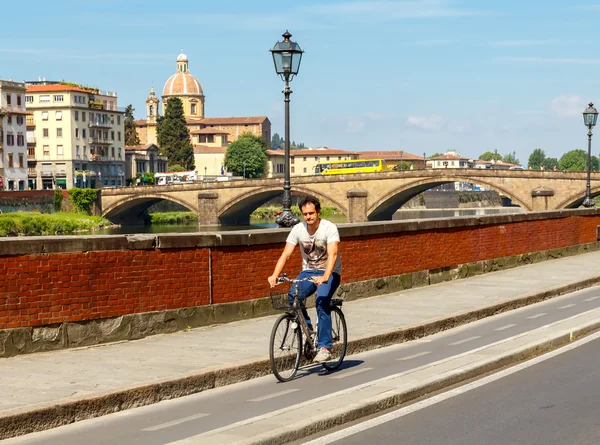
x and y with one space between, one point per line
43 390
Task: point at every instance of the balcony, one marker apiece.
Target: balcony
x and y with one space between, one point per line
100 141
96 123
31 157
30 121
31 172
30 139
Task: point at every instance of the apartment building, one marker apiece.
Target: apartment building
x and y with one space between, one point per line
303 162
13 129
78 137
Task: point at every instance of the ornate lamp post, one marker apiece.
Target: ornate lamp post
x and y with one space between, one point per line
590 116
286 57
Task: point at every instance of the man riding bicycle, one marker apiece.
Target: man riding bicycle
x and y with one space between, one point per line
319 241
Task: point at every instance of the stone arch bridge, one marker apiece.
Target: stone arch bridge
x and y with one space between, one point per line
362 197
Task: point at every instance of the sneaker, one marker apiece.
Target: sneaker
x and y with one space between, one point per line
322 356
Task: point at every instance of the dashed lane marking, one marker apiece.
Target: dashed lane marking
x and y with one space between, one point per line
272 396
409 357
351 373
174 422
460 342
541 314
506 326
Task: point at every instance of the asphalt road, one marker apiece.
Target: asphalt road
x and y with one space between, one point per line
554 402
177 419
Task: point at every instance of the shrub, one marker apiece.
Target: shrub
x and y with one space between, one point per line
83 199
58 197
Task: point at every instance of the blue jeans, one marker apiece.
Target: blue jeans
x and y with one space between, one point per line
323 303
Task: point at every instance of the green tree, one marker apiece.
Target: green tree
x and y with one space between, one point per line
536 159
576 160
550 163
435 155
173 136
511 158
247 155
131 136
276 142
491 156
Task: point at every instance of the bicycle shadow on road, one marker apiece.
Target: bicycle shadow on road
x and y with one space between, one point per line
317 369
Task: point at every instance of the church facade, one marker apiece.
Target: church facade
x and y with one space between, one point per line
207 133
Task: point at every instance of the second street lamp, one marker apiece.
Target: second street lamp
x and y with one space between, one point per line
590 117
286 57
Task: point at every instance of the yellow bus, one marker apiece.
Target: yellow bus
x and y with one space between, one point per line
353 166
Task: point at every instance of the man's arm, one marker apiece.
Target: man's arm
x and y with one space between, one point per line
285 256
332 254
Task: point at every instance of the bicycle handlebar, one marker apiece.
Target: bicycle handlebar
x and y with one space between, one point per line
284 279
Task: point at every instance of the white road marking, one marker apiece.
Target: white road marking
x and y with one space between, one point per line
460 342
591 298
566 306
420 354
541 314
341 434
506 326
350 373
174 422
272 396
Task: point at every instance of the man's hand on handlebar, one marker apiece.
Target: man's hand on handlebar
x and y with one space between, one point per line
272 280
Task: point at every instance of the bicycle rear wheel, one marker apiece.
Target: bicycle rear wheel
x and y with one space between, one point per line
339 337
285 347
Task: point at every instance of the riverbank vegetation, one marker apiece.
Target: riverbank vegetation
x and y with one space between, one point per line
174 218
272 212
37 224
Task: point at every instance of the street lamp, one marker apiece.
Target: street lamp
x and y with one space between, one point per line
590 116
286 57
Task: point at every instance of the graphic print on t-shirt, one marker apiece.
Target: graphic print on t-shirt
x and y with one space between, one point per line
316 253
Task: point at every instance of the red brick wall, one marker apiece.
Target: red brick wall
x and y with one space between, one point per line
42 289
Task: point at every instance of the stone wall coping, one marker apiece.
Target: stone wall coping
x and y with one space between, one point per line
72 243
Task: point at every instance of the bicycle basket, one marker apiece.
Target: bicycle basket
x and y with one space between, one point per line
280 301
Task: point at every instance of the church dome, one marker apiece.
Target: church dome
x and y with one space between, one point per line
182 83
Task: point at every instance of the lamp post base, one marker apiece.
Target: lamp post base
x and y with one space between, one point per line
287 219
589 202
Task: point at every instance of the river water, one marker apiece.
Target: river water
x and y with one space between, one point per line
401 214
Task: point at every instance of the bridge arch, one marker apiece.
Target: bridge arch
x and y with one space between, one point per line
130 210
238 210
576 200
385 207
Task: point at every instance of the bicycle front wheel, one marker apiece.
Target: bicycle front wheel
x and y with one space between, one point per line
339 337
285 347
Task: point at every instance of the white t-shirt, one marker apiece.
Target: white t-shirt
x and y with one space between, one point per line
314 248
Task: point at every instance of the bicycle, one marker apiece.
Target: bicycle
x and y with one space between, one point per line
286 346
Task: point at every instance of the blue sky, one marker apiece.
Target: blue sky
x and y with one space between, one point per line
421 76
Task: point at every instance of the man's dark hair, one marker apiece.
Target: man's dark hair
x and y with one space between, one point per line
312 200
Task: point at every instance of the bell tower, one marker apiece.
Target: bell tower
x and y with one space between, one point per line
152 107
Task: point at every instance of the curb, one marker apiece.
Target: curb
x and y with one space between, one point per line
62 412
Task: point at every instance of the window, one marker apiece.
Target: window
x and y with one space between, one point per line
59 98
77 132
84 151
10 139
44 115
77 151
10 160
118 135
293 169
59 150
119 152
193 108
20 140
9 120
8 99
21 160
58 116
327 158
292 159
46 152
112 151
45 98
83 116
210 138
18 100
304 169
118 120
45 132
83 133
59 132
304 158
28 99
19 120
317 158
112 135
76 114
